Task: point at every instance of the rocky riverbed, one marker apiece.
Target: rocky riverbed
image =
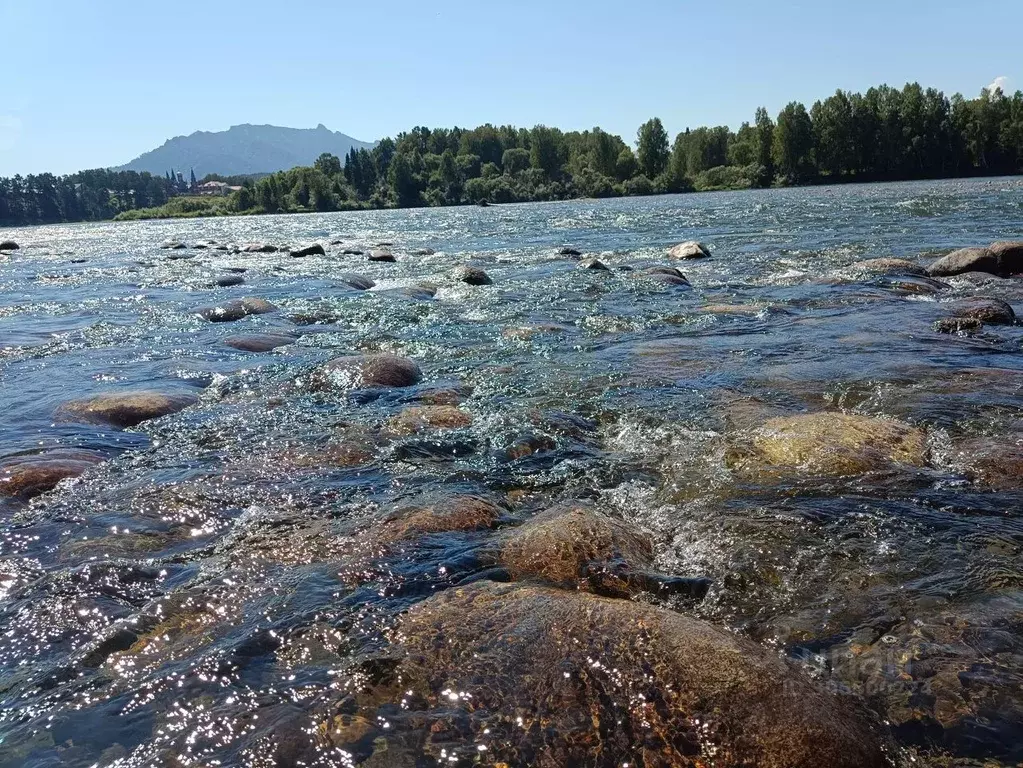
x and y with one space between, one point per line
712 480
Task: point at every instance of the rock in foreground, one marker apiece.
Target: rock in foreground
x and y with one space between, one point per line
549 678
361 371
124 409
1002 259
689 250
27 476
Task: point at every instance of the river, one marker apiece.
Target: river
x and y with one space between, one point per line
202 593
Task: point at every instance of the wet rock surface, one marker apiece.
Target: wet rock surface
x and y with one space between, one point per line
471 275
236 309
582 677
689 250
124 409
358 371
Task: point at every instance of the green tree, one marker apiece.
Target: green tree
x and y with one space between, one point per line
652 148
327 164
793 143
626 165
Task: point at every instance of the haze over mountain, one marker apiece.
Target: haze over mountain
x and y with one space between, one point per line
244 149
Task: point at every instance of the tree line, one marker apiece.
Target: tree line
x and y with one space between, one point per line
884 134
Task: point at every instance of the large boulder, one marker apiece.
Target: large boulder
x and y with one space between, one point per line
26 476
382 255
361 371
966 260
689 250
549 678
831 444
1010 256
439 514
985 310
471 275
888 266
577 547
236 310
124 409
8 245
664 275
310 250
592 262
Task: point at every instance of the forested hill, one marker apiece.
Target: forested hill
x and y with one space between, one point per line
244 149
885 134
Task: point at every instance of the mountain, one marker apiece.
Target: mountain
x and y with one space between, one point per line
244 149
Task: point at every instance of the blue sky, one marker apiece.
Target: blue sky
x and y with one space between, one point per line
90 83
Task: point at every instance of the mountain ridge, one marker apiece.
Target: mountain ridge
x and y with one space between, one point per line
244 149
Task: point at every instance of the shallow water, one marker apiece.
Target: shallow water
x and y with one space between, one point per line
191 596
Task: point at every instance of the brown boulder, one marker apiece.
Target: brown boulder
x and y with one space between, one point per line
549 678
471 275
359 371
831 444
124 409
689 250
424 418
440 514
966 260
577 547
1009 255
987 311
994 464
236 310
27 476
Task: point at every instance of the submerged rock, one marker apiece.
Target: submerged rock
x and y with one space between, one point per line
360 371
471 275
592 263
423 252
259 248
550 678
124 409
310 250
260 342
966 260
236 310
889 266
425 418
964 325
527 332
831 444
172 245
27 476
576 547
357 281
440 514
382 255
994 464
664 275
689 250
9 245
226 281
569 251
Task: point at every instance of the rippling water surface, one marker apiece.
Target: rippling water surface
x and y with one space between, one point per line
203 595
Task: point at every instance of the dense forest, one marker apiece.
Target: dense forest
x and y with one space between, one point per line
883 134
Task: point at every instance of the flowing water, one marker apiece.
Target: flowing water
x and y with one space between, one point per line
190 600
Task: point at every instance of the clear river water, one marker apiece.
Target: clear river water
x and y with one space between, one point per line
202 594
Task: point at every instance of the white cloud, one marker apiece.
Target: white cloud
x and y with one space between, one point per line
10 131
1000 82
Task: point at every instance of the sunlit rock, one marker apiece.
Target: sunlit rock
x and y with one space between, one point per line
260 342
426 418
471 275
359 371
236 310
831 444
124 409
30 475
689 250
553 678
